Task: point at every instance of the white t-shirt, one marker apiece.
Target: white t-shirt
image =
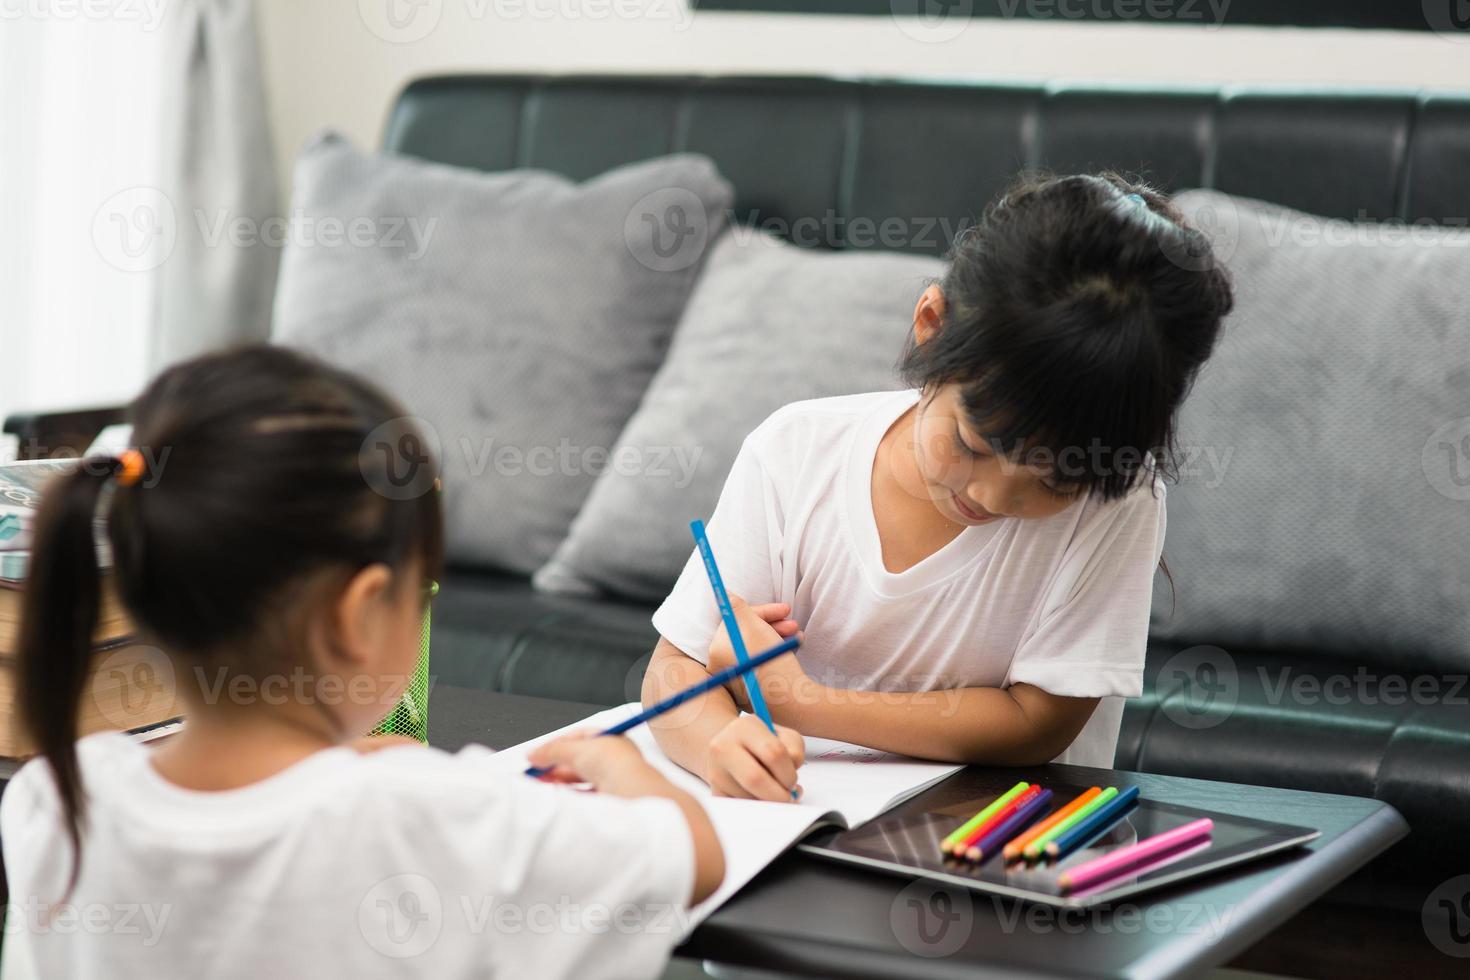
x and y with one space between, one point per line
407 862
1061 602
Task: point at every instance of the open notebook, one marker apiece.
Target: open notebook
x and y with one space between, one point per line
842 784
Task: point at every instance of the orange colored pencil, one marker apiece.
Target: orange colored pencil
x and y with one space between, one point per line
1014 848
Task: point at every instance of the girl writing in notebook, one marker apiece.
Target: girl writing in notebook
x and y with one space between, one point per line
971 561
273 544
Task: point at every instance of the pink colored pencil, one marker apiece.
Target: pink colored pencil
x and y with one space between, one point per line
1110 864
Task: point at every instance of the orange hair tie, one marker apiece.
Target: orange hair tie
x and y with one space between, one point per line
130 468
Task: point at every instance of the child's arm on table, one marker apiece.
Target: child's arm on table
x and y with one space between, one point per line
1017 725
1020 725
615 767
736 755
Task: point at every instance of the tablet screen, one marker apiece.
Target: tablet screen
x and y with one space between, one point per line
906 840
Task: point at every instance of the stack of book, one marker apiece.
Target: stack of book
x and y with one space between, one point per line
130 687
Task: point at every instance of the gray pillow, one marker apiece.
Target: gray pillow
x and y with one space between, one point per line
519 314
1326 502
768 324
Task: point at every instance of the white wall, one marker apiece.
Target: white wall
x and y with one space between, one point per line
340 62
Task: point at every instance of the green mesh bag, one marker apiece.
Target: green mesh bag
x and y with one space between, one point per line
410 716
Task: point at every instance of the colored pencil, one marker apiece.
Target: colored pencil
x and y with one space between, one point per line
1099 821
996 818
963 830
1015 848
1037 847
703 687
1124 858
727 613
995 839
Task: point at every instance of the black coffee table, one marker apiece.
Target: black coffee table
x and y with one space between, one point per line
809 917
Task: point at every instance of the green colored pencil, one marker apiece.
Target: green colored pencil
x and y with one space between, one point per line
1035 848
948 844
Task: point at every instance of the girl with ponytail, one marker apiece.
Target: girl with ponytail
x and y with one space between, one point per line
263 539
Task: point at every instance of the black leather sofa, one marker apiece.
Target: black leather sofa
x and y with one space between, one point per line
835 151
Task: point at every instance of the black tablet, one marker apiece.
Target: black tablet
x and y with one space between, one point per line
906 841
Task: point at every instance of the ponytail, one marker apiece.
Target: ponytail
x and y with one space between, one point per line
60 615
267 464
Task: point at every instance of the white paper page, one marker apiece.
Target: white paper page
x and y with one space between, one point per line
857 782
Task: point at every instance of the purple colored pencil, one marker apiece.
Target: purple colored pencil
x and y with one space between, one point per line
996 839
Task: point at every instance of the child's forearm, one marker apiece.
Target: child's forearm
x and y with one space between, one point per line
685 733
709 855
1018 725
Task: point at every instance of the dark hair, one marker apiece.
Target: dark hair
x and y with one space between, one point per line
1078 312
256 479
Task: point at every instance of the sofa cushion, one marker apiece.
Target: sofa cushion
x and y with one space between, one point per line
1327 444
768 324
519 314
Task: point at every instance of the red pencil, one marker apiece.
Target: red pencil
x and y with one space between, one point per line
1004 813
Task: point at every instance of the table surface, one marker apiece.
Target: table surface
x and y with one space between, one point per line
807 916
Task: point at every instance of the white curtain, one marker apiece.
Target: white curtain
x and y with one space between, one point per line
219 172
127 133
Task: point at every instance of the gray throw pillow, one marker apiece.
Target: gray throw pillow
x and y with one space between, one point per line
1325 503
768 324
519 314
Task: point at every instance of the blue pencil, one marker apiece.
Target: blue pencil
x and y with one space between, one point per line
674 700
1100 821
722 599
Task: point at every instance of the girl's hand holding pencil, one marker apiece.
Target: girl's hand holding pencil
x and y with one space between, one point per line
783 682
610 764
747 761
